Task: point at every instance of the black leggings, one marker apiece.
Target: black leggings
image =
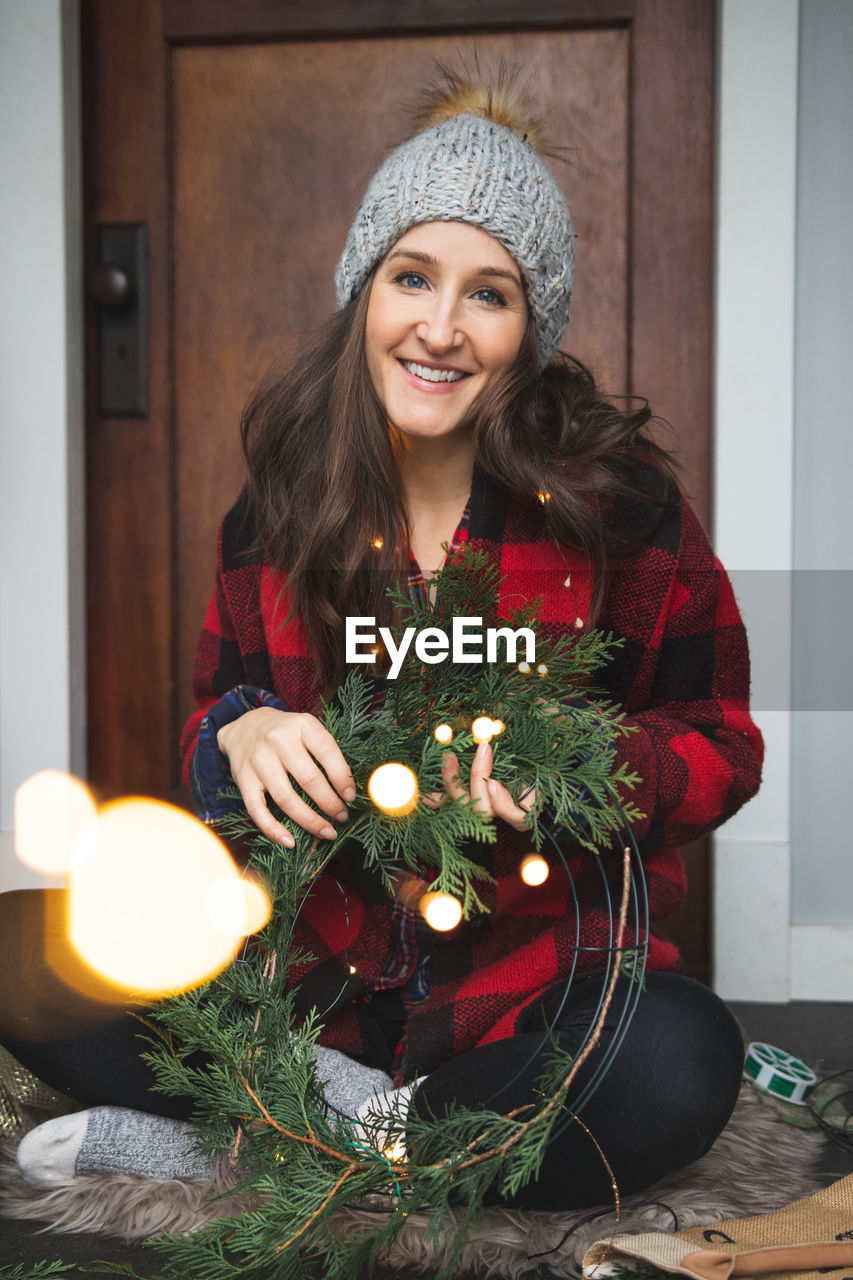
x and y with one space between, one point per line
670 1089
663 1101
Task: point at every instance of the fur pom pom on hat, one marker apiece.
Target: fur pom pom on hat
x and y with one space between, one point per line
471 165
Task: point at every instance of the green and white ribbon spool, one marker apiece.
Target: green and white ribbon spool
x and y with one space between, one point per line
778 1073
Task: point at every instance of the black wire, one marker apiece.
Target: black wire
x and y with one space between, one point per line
843 1136
603 1213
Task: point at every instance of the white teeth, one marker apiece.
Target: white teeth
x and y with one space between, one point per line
433 375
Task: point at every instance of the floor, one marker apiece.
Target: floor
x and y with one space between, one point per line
819 1033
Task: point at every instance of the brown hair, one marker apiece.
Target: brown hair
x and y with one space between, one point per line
328 498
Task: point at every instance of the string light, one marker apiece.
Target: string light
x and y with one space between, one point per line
498 726
441 911
443 733
534 869
352 968
483 729
524 668
395 1151
542 669
578 623
568 581
393 788
544 496
378 544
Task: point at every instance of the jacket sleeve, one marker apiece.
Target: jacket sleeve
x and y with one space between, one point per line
693 741
222 677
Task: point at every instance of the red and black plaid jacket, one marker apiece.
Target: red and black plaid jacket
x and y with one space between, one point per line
682 676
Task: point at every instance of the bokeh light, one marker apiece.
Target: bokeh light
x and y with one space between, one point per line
393 788
238 906
443 733
51 810
441 911
534 869
142 882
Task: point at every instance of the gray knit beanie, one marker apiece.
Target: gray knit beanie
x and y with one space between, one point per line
470 169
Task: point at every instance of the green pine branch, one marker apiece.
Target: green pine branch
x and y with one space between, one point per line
257 1092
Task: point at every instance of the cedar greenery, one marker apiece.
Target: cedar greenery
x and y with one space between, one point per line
298 1162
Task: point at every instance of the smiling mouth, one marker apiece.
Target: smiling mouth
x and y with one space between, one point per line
433 375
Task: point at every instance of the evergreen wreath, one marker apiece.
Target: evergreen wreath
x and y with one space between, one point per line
257 1096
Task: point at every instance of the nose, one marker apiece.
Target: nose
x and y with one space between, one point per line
439 328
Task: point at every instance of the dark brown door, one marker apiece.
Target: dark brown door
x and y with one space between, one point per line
243 132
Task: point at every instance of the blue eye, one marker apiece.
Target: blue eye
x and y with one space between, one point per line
410 280
491 296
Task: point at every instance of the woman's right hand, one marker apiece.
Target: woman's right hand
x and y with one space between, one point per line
267 751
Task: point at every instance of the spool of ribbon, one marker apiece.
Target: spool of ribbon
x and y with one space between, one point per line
778 1073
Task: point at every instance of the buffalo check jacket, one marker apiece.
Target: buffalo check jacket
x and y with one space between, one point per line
682 676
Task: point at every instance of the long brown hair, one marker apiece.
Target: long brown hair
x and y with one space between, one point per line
328 498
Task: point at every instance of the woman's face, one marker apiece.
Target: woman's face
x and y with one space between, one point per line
446 317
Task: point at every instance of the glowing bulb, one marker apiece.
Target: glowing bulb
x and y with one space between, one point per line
352 968
443 733
498 726
51 811
482 730
578 623
568 581
378 543
542 669
524 667
544 497
395 1151
441 911
142 883
393 788
534 869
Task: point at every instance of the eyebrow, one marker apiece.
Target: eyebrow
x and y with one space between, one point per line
429 261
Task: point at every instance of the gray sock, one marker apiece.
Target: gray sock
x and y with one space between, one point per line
347 1083
119 1140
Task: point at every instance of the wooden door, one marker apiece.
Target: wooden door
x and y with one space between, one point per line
243 135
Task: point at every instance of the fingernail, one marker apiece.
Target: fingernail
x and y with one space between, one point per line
481 750
328 833
287 840
349 793
342 815
492 785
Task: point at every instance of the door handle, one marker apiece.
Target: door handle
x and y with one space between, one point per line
119 287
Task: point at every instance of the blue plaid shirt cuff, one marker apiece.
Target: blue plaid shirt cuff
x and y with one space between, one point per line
209 771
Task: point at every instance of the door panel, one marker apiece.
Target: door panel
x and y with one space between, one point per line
243 135
273 147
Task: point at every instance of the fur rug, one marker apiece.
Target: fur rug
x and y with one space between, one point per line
758 1164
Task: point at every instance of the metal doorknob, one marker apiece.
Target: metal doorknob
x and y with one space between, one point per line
111 285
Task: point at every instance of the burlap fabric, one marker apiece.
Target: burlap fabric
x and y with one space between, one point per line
800 1240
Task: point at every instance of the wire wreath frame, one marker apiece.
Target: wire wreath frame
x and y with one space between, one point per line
630 915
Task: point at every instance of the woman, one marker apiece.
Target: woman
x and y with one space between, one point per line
432 413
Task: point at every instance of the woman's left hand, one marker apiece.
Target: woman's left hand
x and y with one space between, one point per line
490 797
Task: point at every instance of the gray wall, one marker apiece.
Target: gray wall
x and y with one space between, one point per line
822 692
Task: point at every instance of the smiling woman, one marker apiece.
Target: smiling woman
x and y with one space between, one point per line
445 320
433 412
446 317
